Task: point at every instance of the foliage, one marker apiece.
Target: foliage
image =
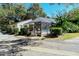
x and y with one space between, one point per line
10 14
20 11
11 29
60 18
68 21
13 11
24 31
56 31
70 27
35 11
74 16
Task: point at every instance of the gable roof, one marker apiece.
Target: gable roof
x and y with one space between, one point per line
19 24
44 20
25 22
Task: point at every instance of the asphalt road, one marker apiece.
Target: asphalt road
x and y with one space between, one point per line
45 48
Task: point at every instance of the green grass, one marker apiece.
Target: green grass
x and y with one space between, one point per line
69 36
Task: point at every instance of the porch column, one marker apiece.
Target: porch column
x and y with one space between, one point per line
34 28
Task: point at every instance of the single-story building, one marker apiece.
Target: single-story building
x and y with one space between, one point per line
40 25
22 23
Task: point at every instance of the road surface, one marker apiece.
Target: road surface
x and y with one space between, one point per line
45 48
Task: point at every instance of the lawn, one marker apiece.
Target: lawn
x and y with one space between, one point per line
69 36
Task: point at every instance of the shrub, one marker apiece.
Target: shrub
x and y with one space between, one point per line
30 27
15 31
24 31
9 29
70 27
12 30
56 31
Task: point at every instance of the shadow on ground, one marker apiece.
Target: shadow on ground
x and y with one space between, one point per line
13 46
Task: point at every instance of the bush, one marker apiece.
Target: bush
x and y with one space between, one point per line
15 31
70 27
24 31
12 30
9 30
56 31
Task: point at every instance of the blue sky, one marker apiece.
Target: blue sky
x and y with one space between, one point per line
51 10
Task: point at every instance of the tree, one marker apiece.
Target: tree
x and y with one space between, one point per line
14 11
66 21
60 18
20 11
9 16
35 11
74 15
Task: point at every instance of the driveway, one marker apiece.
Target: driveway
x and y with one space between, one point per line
46 47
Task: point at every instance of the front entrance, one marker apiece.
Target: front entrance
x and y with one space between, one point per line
37 28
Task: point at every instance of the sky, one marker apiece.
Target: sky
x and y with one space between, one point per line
51 10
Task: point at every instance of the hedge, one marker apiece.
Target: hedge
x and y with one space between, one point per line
56 31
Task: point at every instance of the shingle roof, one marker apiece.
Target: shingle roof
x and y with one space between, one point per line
44 20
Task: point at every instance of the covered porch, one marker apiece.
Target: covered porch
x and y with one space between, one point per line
41 26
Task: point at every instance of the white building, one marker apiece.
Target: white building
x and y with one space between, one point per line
22 23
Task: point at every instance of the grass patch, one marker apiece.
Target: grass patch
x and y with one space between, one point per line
69 36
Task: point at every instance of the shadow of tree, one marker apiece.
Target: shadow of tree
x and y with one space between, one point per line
19 41
51 36
14 49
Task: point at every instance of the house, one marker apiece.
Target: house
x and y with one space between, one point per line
22 23
40 25
44 23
